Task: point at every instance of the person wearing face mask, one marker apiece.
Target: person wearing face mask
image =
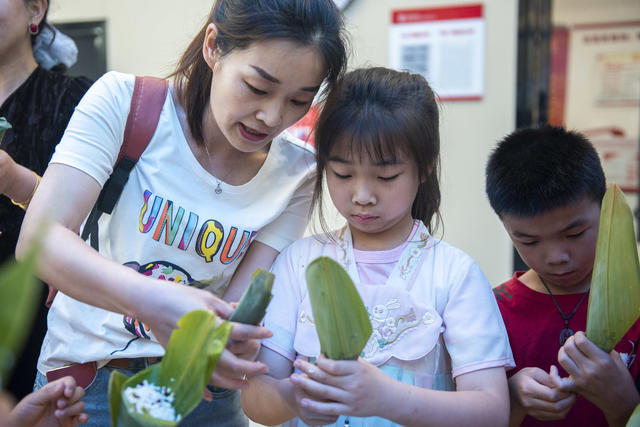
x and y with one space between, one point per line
218 192
37 98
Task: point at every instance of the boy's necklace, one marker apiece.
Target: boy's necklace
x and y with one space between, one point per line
566 332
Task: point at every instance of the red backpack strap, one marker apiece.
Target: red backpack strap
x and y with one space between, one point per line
149 94
147 101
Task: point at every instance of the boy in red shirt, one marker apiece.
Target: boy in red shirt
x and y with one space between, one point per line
546 185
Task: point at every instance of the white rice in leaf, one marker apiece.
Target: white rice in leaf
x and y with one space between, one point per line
153 400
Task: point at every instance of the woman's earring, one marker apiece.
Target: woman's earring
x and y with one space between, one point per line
33 29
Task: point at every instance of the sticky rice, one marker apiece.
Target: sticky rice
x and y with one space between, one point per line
153 400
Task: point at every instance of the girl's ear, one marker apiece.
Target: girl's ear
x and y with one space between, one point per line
37 9
209 50
430 169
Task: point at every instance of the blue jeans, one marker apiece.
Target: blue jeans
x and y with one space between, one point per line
225 409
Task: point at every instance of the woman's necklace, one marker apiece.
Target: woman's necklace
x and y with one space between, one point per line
566 332
218 188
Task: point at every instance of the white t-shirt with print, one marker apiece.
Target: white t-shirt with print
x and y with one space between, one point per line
168 223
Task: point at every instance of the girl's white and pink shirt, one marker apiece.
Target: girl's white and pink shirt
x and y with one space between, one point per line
432 310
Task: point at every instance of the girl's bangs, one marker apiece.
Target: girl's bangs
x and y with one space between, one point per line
377 136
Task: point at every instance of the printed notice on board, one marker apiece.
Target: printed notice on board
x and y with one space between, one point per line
445 45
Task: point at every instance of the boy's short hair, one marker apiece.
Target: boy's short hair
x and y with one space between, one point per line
534 170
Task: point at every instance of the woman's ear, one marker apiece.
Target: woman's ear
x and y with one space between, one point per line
209 50
37 10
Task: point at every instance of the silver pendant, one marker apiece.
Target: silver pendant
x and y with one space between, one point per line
218 189
564 335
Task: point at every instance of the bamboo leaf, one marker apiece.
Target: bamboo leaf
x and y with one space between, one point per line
340 317
18 298
614 301
116 384
190 359
253 304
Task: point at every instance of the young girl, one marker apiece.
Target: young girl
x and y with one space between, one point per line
436 327
218 192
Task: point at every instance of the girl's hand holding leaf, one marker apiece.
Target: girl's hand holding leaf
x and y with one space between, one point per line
348 387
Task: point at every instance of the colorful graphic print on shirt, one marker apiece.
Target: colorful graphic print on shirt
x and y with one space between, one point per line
211 242
161 270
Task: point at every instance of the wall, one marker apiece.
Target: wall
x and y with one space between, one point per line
582 109
147 37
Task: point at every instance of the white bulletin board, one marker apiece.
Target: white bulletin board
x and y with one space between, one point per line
446 45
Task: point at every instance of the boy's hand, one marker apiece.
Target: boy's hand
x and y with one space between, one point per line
533 393
342 387
601 378
58 403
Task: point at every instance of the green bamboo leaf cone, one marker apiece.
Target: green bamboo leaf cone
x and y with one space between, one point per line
253 304
190 359
340 317
614 300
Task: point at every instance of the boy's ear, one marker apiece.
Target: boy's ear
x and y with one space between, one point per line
209 50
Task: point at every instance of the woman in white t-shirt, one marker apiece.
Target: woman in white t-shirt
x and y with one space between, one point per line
219 191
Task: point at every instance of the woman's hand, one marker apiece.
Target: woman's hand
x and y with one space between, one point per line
237 362
170 302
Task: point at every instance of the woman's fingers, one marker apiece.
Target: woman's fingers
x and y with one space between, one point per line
232 371
242 332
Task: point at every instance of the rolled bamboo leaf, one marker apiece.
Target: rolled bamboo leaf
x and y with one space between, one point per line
18 299
4 125
190 359
634 420
614 300
253 304
340 317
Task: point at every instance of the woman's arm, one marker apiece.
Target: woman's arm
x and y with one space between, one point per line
62 201
360 389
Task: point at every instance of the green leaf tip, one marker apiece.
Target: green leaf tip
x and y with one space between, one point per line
614 300
253 304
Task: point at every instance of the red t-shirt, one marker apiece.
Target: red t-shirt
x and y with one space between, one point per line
534 324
